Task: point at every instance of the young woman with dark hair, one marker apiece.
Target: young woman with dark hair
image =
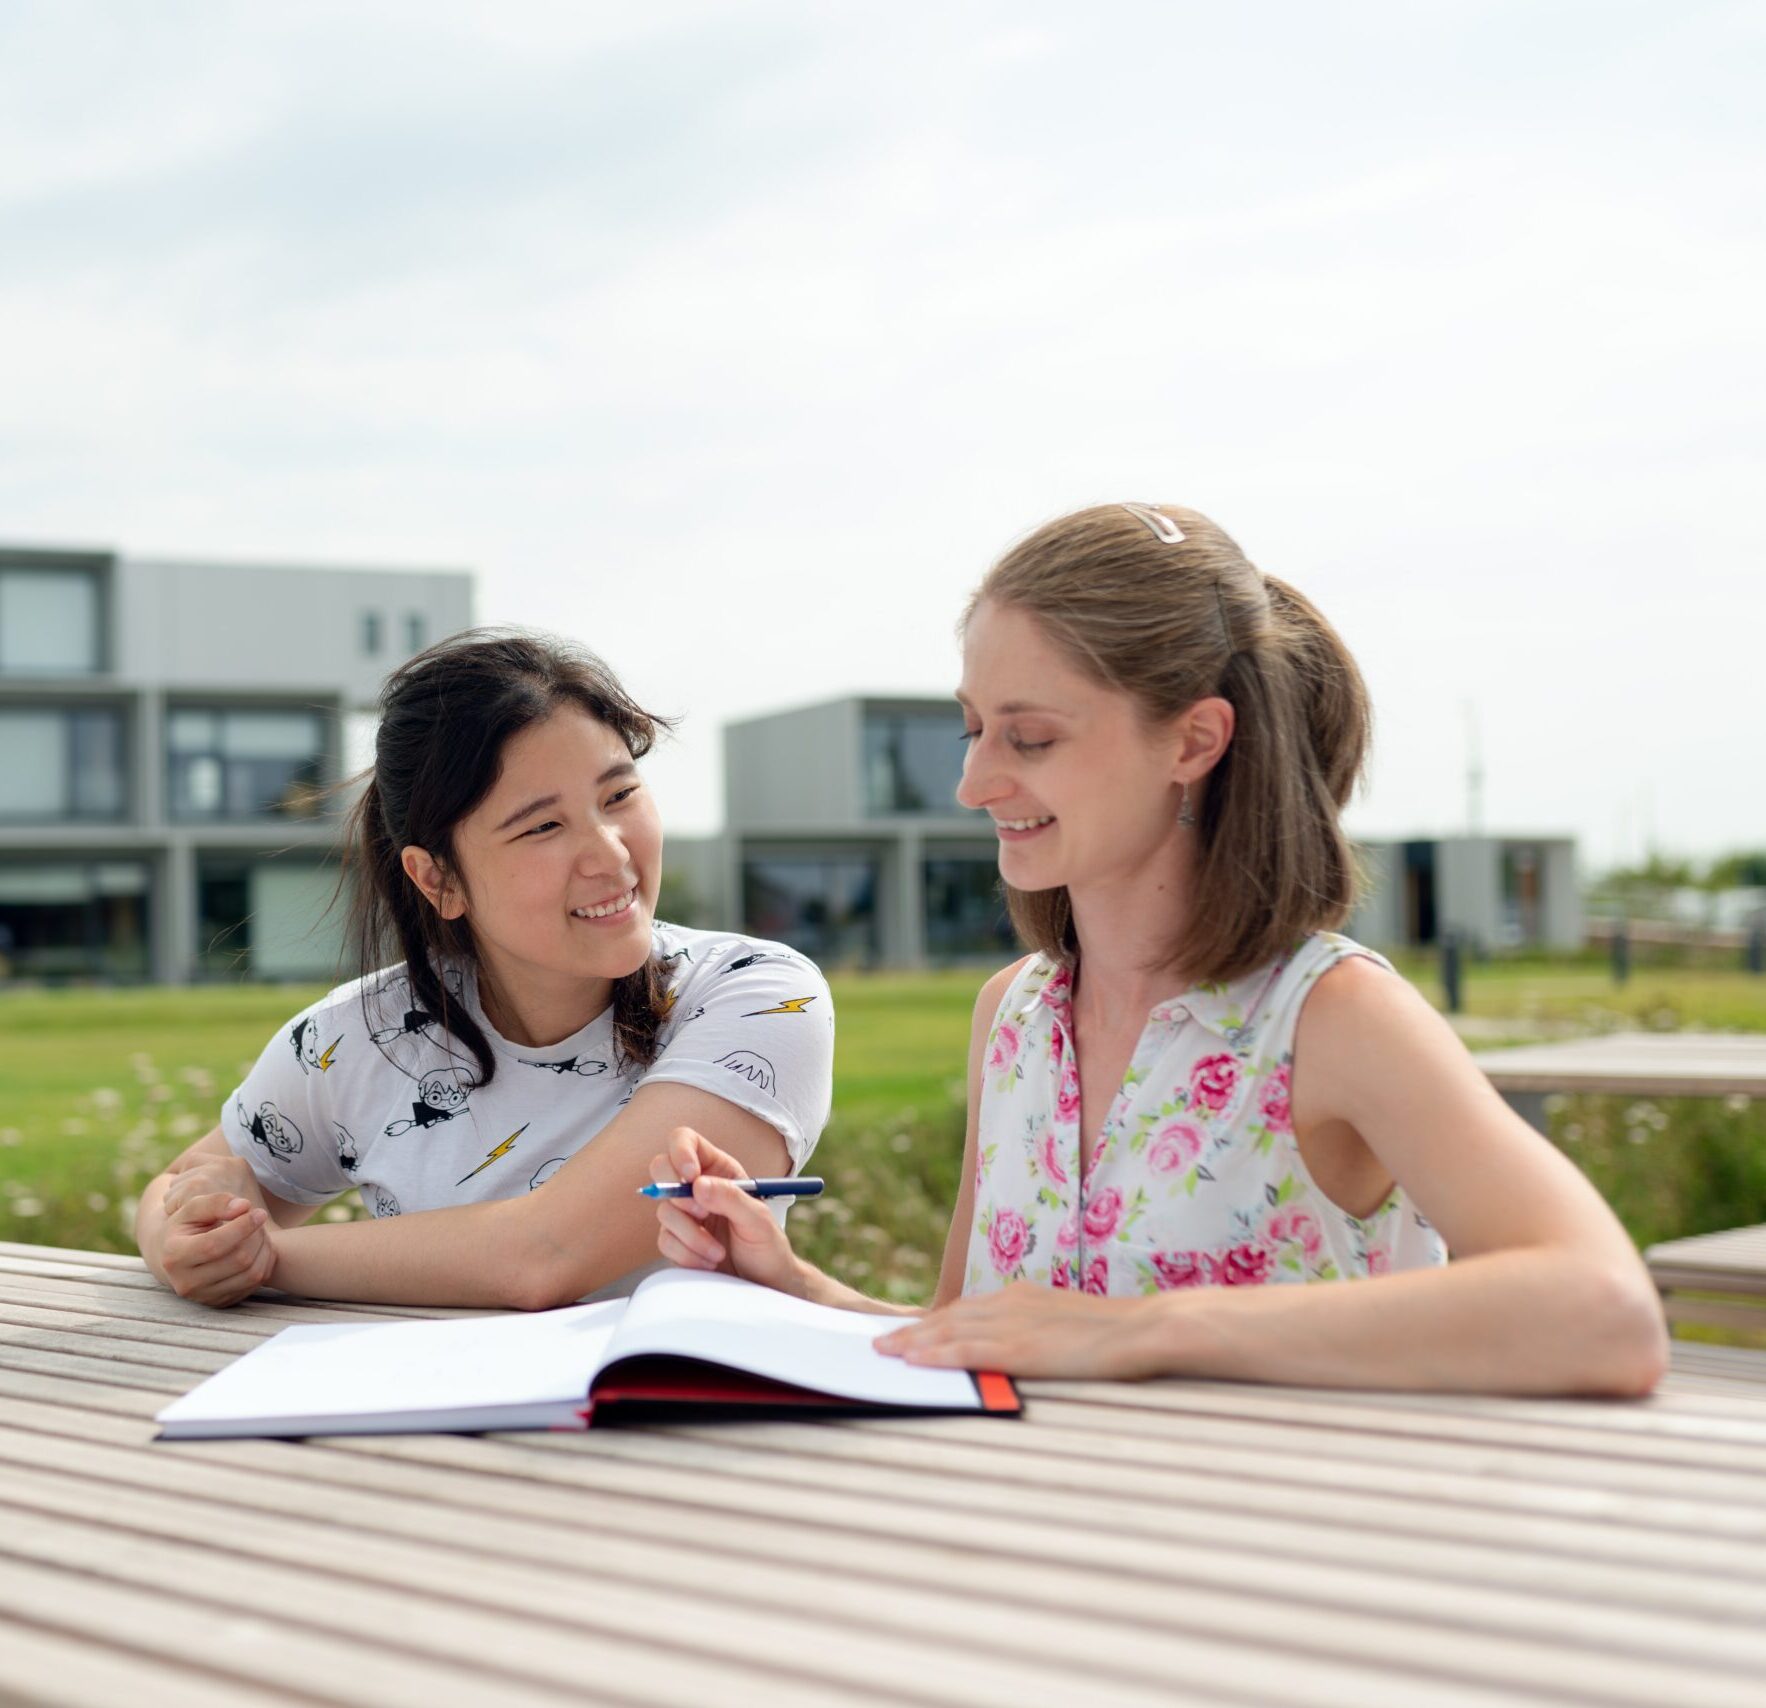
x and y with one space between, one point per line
1194 1086
497 1090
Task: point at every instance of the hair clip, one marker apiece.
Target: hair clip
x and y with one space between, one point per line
1161 524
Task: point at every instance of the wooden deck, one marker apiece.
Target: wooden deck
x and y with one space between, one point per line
1135 1545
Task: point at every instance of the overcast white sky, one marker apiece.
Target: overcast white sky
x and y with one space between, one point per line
735 339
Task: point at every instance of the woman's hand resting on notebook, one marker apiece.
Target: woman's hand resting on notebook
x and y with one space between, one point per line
720 1227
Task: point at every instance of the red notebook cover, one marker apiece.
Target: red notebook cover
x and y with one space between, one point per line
648 1386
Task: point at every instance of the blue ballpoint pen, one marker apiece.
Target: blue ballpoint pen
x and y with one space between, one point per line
799 1186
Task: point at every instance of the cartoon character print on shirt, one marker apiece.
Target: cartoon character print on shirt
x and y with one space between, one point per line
349 1159
416 1022
441 1095
384 1203
584 1067
756 1069
305 1039
545 1172
272 1129
501 1150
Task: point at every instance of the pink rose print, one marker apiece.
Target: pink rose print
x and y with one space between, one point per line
1061 1275
1174 1148
1006 1240
1212 1081
1277 1110
1051 1159
1067 1236
1378 1263
1097 1275
1286 1225
1067 1099
1179 1269
1007 1041
1102 1214
1238 1266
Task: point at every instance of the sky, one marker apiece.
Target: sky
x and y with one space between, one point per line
736 339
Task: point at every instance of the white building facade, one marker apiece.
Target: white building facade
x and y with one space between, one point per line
172 737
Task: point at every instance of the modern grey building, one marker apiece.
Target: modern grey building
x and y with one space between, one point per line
1495 892
843 837
170 733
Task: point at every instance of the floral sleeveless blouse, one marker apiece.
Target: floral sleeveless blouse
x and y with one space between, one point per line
1196 1179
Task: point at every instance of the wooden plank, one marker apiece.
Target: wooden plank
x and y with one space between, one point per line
562 1620
1693 1569
633 1584
1677 1064
48 1669
278 1647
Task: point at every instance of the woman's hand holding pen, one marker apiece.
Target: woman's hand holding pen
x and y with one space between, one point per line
721 1224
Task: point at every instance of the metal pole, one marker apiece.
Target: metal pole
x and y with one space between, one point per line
1621 951
1450 972
1756 956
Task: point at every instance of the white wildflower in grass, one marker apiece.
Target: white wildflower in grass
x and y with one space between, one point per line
337 1212
106 1101
1736 1105
27 1206
159 1092
184 1126
1573 1131
902 1143
200 1080
1556 1103
73 1126
10 1136
97 1201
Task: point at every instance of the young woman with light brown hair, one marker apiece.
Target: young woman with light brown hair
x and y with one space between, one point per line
1193 1087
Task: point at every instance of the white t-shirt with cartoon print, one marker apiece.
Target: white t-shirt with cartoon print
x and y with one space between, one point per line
373 1094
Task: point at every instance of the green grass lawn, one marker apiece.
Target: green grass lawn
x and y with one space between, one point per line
101 1087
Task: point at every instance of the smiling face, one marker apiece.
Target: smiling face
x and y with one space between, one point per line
560 861
1082 792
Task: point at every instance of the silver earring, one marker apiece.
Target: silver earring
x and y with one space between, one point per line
1185 817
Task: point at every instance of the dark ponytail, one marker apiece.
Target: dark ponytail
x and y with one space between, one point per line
445 718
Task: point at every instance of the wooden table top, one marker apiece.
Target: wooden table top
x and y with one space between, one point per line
1172 1542
1639 1064
1732 1260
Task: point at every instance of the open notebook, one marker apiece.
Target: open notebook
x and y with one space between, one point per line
683 1342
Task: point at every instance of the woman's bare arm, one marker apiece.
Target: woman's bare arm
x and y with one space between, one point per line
584 1228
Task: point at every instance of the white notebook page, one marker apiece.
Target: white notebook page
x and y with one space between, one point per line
735 1323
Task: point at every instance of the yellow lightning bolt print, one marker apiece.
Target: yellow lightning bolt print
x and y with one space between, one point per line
325 1060
791 1005
668 1003
502 1150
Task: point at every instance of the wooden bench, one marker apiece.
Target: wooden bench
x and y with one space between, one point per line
1717 1280
1628 1064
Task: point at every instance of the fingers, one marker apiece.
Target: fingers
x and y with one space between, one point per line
749 1219
688 1242
208 1207
218 1241
692 1154
222 1264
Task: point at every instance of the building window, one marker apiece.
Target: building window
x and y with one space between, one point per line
238 764
416 631
269 918
965 909
827 908
48 622
913 762
62 763
371 634
65 919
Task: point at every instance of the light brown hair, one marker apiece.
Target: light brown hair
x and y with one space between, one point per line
1170 623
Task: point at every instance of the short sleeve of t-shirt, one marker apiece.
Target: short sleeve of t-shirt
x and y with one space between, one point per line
279 1120
753 1024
